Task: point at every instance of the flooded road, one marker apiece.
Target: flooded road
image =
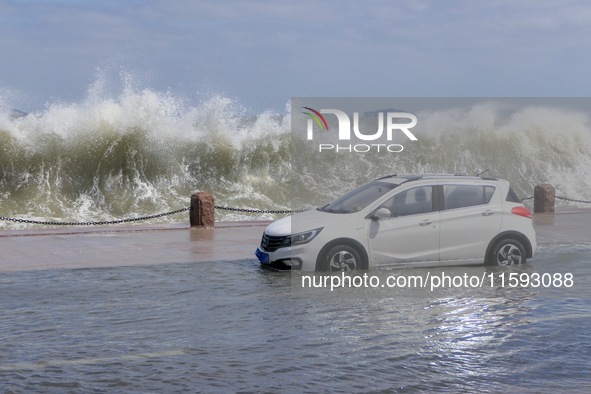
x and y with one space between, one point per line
231 326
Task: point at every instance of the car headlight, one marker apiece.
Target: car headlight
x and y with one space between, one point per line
300 238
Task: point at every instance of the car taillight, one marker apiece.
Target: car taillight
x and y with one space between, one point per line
521 211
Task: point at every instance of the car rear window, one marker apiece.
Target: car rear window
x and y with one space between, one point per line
461 196
488 193
512 196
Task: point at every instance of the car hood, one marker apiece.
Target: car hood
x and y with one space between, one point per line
304 221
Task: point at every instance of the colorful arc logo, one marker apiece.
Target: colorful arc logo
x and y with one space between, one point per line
318 118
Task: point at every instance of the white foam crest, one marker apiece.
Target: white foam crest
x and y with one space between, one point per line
160 113
566 132
534 128
481 117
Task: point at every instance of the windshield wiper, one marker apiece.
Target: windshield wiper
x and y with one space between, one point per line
331 210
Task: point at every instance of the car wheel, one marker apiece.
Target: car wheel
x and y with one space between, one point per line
341 258
508 252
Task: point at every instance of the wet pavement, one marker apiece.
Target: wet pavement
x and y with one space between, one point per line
35 249
573 226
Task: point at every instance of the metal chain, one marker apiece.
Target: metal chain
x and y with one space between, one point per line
573 200
561 198
259 210
29 221
105 222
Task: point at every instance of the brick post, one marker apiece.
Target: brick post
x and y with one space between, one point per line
544 198
202 213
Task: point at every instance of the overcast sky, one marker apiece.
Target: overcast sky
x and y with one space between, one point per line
263 52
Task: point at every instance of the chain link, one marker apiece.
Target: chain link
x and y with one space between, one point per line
573 200
561 198
259 210
49 223
128 220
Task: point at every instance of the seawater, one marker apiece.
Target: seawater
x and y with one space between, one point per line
230 327
139 152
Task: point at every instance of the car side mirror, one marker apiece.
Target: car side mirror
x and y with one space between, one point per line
380 214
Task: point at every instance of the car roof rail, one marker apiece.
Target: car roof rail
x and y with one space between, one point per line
414 178
406 178
387 176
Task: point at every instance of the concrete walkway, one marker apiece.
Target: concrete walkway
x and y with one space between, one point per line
140 245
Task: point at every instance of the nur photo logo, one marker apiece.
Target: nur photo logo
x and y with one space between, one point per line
390 123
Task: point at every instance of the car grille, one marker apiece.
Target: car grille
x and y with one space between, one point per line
271 243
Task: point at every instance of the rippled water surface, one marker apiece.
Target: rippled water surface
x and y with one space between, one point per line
230 326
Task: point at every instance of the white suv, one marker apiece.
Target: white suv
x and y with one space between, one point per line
400 219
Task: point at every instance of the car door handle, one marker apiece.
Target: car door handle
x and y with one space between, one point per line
488 212
426 222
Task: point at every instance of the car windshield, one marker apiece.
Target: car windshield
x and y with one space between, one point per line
359 198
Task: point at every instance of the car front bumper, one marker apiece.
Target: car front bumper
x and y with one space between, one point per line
289 258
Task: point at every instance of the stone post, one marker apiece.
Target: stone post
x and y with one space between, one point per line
202 213
544 198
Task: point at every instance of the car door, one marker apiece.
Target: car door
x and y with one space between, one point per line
410 233
470 217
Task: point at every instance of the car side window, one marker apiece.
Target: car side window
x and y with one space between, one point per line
410 202
461 196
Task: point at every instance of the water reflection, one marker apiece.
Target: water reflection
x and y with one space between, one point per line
444 334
